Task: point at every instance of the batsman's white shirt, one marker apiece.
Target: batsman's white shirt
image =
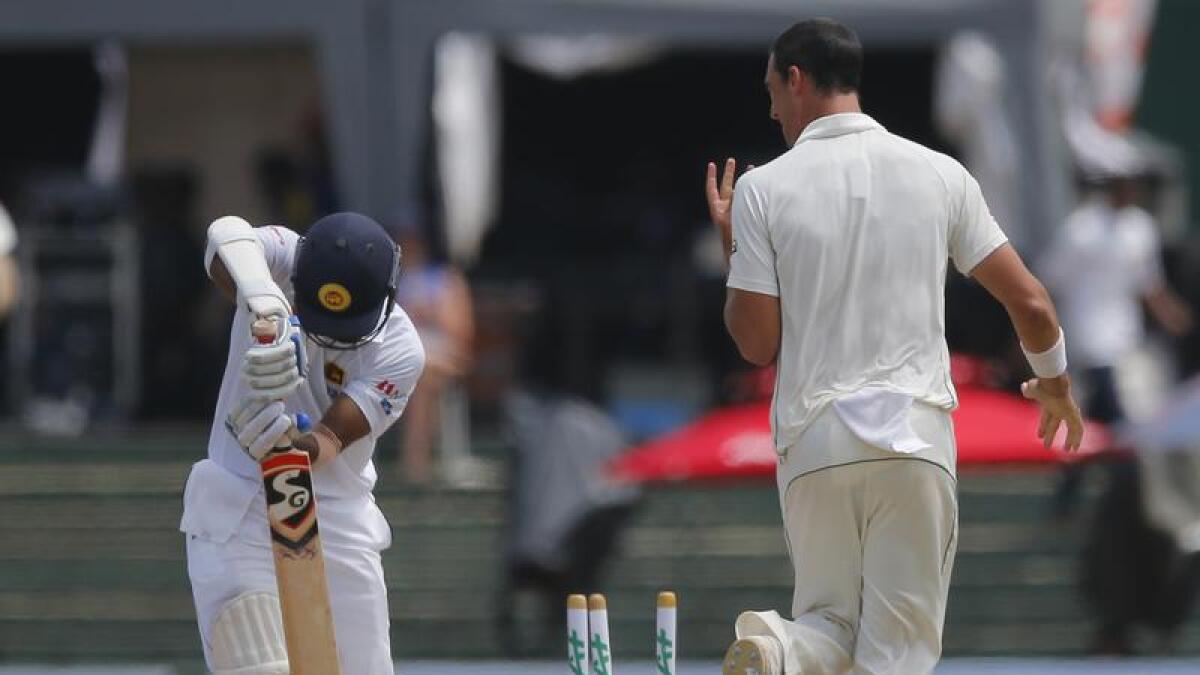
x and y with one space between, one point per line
224 512
853 227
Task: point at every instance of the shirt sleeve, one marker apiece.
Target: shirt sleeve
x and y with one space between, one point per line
752 263
382 388
974 233
279 248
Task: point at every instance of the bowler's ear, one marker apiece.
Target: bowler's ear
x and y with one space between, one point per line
796 78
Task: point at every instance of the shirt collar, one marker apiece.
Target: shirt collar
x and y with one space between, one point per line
838 124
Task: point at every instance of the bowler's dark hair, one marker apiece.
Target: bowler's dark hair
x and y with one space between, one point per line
829 52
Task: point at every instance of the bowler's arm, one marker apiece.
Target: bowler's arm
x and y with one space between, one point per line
1029 307
1032 313
753 321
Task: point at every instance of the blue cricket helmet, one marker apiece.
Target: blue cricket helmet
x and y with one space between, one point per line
345 279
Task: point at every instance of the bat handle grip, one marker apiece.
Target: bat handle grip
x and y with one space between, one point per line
264 331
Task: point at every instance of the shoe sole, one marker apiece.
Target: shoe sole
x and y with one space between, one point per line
744 658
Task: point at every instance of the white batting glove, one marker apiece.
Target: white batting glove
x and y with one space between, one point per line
270 371
257 424
274 371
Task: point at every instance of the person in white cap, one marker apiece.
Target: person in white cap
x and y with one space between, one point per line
1102 265
838 251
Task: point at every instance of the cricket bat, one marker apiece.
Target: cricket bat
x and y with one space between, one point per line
296 548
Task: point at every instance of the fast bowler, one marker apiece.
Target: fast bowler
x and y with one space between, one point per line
838 251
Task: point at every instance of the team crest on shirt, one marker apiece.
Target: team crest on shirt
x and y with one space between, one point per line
334 375
335 379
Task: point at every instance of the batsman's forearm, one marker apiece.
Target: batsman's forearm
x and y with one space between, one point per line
308 445
321 445
232 241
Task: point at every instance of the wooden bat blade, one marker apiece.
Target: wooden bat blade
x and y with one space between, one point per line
299 564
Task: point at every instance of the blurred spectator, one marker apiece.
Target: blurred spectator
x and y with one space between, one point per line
1103 265
9 281
566 514
438 299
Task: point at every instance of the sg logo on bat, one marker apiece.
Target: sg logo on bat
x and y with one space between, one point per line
291 508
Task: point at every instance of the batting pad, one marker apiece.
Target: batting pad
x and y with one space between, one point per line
247 637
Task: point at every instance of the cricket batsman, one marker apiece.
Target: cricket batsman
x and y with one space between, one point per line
350 362
838 251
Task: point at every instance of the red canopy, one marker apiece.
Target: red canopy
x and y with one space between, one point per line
990 427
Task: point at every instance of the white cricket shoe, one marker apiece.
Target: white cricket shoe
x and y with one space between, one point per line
755 655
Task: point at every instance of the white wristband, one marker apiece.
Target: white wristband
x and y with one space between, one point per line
1050 363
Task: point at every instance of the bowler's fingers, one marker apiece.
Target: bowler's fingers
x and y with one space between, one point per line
727 178
710 185
1043 423
1051 431
1074 433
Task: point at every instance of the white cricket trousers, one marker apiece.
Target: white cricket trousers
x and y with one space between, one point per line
227 559
872 543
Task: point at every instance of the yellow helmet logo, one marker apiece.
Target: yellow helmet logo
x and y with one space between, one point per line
334 297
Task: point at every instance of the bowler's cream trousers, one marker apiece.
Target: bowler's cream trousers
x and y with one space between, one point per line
872 542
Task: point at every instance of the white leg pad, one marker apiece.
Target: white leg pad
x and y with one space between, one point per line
247 637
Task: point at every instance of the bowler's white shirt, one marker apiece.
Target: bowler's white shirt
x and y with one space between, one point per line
852 229
378 376
1101 264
